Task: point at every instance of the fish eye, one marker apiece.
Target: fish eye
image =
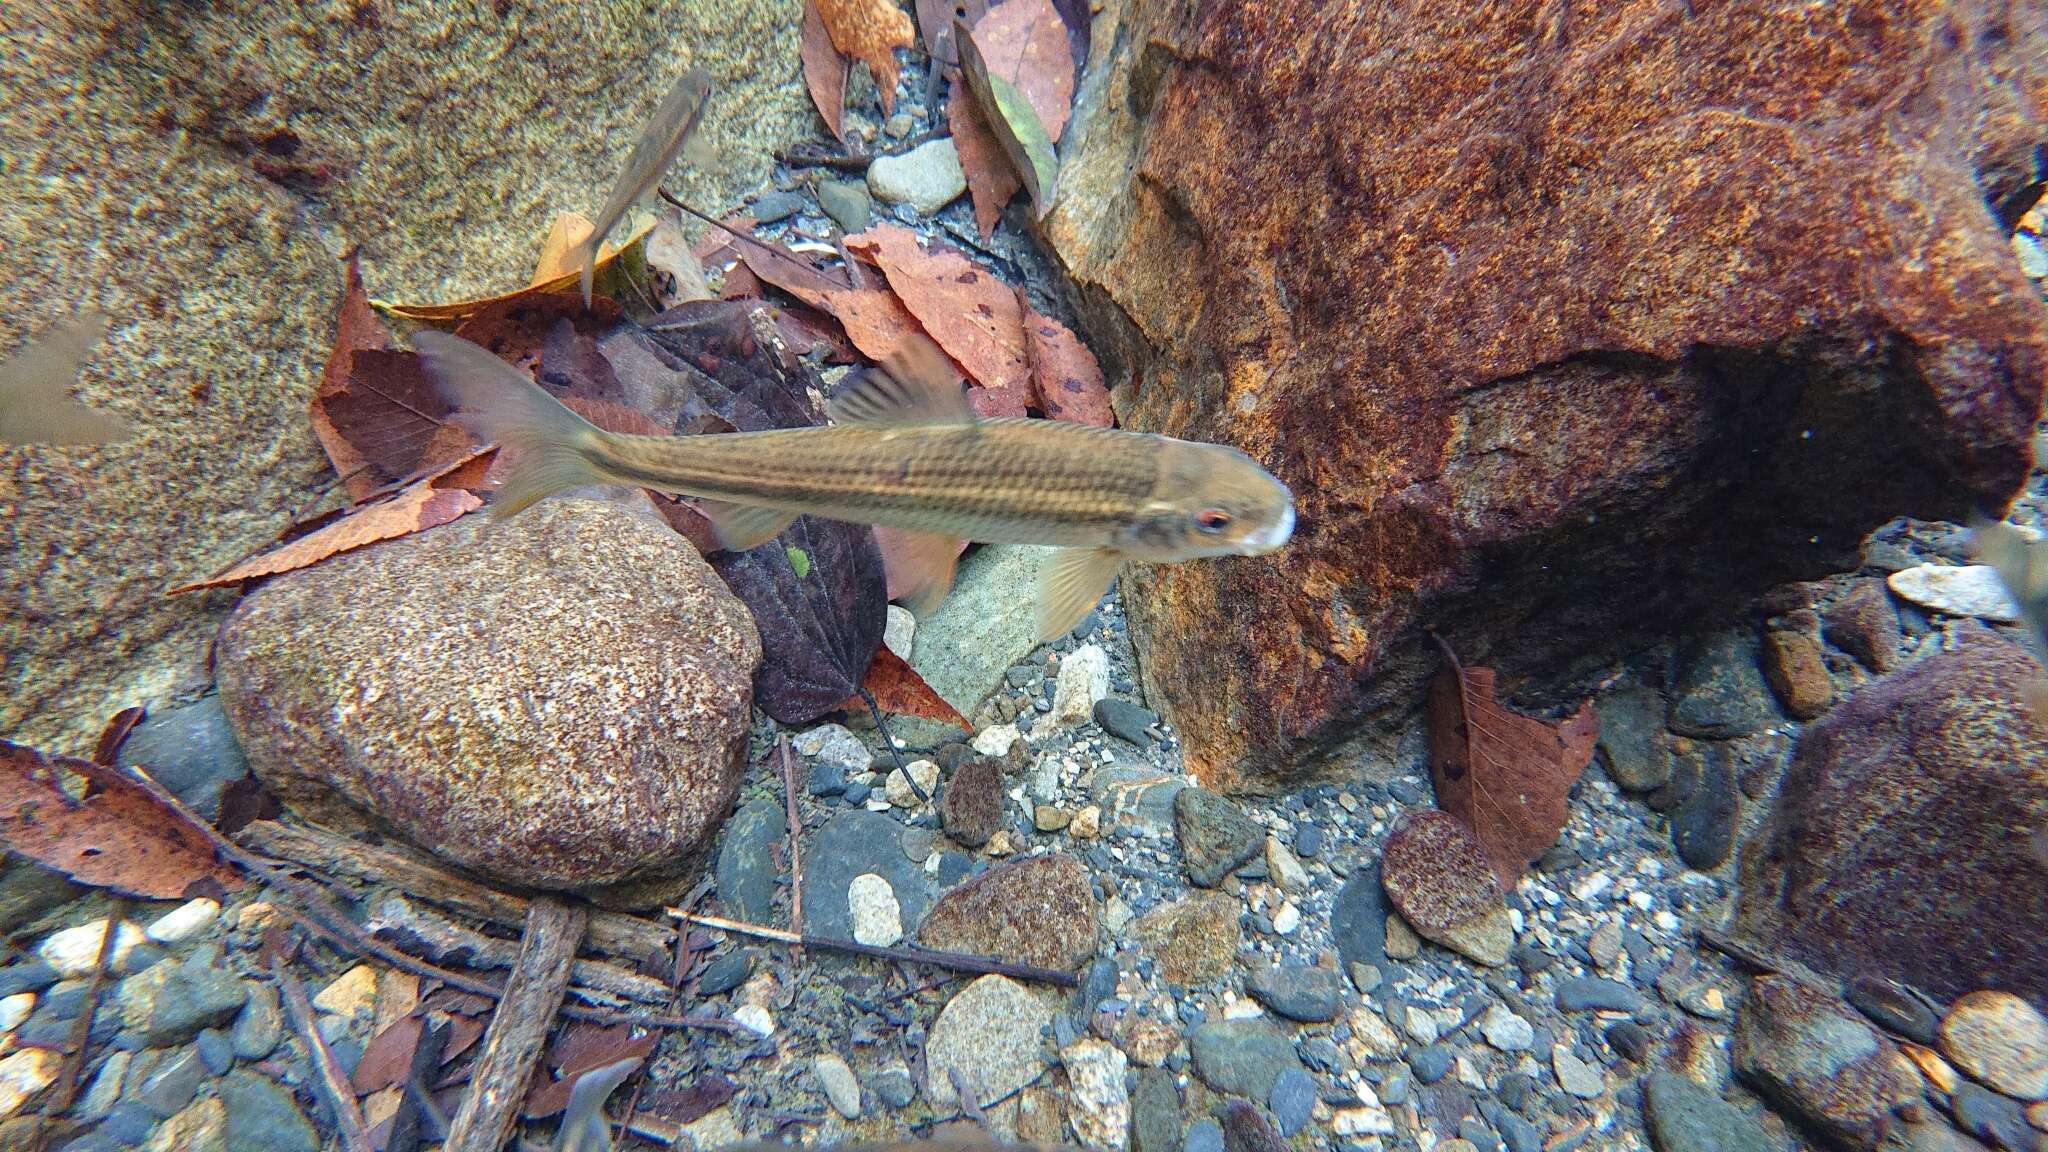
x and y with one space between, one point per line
1212 520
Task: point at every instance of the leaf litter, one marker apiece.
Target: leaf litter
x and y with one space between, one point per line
870 31
1025 45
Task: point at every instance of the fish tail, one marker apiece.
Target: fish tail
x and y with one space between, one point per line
553 448
584 256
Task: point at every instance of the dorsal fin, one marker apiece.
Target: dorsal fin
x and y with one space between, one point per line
915 384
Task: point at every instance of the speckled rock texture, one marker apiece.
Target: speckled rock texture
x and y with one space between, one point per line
1038 910
1568 325
560 700
1898 844
1813 1056
236 150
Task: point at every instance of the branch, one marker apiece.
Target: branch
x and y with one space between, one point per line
519 1028
333 1084
957 961
796 867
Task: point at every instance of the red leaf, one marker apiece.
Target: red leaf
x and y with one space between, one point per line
358 328
387 1059
1505 775
580 1048
1026 43
971 314
870 31
898 688
118 836
824 70
1065 377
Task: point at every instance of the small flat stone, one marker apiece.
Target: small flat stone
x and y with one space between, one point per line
1430 1064
1358 919
1282 866
1965 590
1684 1116
1630 1040
1038 910
199 1128
927 177
1194 939
996 740
1402 942
1083 680
26 976
185 922
216 1051
75 951
1997 1120
756 1019
1241 1057
170 1003
989 1033
1444 887
1050 818
1372 1037
1204 1135
1865 624
894 1087
259 1026
24 1074
1131 723
877 916
1216 836
1098 1104
263 1117
725 973
826 780
1704 820
841 1087
1797 673
1155 1113
351 995
834 744
1811 1054
172 1084
1591 994
1895 1008
972 805
1720 691
773 206
1298 992
1632 739
2001 1040
15 1009
1086 824
898 788
1505 1030
849 205
1293 1101
1576 1076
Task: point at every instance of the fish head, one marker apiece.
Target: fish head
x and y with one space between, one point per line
1209 500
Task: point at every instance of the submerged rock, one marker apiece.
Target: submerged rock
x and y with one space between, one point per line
1037 910
985 625
1814 1056
1896 846
1682 401
562 703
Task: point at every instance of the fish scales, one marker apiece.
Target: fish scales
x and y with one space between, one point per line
997 479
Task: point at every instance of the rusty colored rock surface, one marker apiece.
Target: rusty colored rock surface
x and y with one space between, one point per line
1564 323
559 701
1897 846
1815 1057
1037 910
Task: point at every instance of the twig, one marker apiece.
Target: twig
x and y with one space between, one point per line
796 867
519 1028
958 961
333 1084
816 156
441 938
969 1106
1741 953
889 742
615 934
80 1036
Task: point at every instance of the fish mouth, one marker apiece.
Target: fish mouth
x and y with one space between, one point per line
1273 536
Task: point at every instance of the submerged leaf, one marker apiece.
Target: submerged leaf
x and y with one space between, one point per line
870 31
581 1048
898 689
824 70
1014 122
1506 776
116 835
1025 43
975 317
617 260
1066 380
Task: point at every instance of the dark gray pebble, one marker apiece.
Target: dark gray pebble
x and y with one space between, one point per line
827 780
893 1087
171 1084
1592 994
1292 1099
1684 1116
1519 1134
1308 841
1431 1064
1894 1007
1630 1040
26 976
1125 721
857 792
726 973
1204 1135
216 1051
1513 1090
1997 1120
128 1123
1299 992
1407 790
1483 1138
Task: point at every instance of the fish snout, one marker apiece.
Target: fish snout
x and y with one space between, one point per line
1273 536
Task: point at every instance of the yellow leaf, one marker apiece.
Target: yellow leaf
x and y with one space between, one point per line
609 256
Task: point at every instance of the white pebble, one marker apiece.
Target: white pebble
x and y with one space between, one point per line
76 951
14 1009
1642 901
897 633
755 1019
1592 886
996 740
24 1074
184 922
1287 919
927 177
898 788
1083 680
1665 920
1965 590
877 916
1369 1120
1505 1030
1422 1027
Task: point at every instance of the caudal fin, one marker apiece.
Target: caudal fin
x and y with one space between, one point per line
550 445
584 256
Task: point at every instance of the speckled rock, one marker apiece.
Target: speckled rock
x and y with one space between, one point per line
1099 1106
1438 877
972 804
989 1033
1720 691
1698 382
1633 744
1811 1054
1194 938
2000 1039
1684 1116
1796 672
1216 837
1865 624
238 149
1038 910
561 704
985 625
1891 849
1241 1057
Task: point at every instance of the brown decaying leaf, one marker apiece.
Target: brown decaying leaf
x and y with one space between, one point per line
608 255
387 1059
580 1048
421 506
870 31
1065 378
935 23
116 837
115 734
357 328
1026 43
824 70
1506 776
970 313
897 688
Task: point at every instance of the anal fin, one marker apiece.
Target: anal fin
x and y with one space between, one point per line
923 563
744 526
1072 585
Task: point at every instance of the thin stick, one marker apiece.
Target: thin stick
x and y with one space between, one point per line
333 1084
958 961
796 867
80 1036
519 1028
889 742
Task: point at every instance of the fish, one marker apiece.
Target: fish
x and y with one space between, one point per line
583 1124
674 121
906 451
35 389
2022 566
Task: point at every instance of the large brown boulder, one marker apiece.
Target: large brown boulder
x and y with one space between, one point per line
1567 323
1900 842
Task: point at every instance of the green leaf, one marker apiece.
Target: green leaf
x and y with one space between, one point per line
799 560
1014 121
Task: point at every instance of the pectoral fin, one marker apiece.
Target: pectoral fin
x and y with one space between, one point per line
744 526
923 563
916 384
1073 584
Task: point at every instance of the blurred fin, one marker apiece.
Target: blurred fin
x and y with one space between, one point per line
36 406
914 385
583 1124
928 560
744 526
1073 585
549 444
